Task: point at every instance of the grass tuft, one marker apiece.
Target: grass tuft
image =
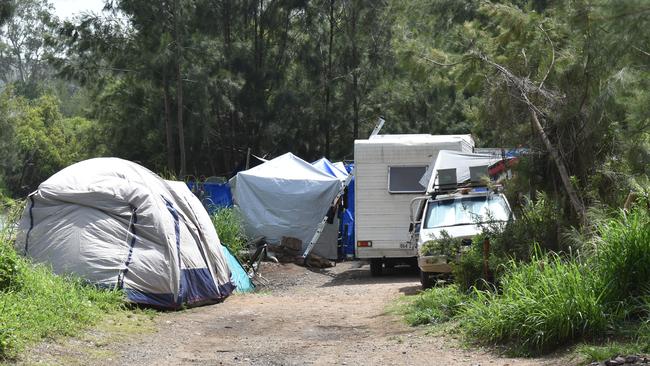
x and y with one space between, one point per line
434 306
228 223
622 256
542 304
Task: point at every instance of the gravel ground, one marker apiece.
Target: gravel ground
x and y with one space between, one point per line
338 316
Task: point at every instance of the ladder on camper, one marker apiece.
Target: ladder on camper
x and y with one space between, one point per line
378 126
323 222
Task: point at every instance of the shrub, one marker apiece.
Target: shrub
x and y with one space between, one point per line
228 223
435 305
9 268
443 245
537 222
468 271
622 255
542 304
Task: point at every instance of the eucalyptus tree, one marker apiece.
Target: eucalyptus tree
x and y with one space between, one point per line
23 43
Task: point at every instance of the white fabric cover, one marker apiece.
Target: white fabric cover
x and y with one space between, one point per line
341 167
115 223
285 196
460 161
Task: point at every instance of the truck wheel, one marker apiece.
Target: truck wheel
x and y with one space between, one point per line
426 280
376 267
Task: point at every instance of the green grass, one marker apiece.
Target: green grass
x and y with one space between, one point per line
228 223
542 304
36 304
549 300
622 257
434 306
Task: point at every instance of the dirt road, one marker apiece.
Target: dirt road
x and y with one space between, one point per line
337 316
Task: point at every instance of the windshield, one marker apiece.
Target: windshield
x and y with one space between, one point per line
466 211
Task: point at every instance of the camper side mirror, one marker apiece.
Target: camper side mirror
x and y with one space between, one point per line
410 227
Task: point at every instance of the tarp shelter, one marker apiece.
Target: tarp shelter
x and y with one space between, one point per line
341 166
116 224
328 242
326 166
461 161
212 195
285 196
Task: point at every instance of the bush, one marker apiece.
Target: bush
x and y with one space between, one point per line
468 271
228 223
442 245
9 269
542 304
435 305
536 223
622 256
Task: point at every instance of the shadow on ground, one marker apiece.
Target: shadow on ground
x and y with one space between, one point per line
360 275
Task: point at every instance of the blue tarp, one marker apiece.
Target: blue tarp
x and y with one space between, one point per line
347 222
326 166
238 275
212 195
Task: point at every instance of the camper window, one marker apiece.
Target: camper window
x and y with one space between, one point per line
405 179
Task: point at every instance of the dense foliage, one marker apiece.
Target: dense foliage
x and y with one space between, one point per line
187 86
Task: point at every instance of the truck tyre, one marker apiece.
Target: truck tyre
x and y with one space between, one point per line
376 267
426 280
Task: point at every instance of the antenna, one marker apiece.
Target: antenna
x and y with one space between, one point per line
378 126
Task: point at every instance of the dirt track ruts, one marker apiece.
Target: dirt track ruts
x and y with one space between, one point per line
337 316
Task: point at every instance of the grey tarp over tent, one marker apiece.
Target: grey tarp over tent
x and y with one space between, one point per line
285 196
117 224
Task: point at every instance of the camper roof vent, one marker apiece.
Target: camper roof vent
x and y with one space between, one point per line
447 178
477 172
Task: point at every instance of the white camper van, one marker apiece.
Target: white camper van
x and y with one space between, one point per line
388 169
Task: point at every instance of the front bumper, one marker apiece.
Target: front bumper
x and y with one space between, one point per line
434 264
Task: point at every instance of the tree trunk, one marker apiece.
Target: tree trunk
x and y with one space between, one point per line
179 92
328 85
181 131
564 175
355 74
519 83
171 159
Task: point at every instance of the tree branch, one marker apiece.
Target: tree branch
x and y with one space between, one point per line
443 64
550 67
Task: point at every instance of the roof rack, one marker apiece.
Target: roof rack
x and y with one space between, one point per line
446 180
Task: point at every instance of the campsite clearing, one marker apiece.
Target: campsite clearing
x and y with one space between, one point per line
338 316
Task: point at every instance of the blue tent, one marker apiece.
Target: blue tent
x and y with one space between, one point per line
238 275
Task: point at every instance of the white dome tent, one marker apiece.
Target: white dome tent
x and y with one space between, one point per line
114 223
